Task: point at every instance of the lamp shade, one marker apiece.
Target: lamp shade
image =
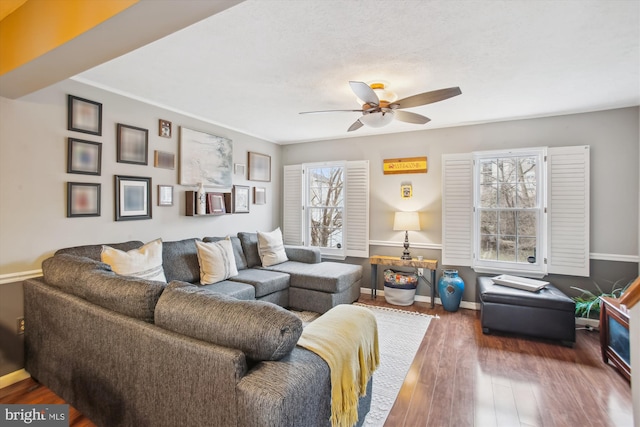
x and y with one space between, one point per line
406 221
377 119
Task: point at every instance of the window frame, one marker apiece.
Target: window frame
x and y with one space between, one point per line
539 268
335 253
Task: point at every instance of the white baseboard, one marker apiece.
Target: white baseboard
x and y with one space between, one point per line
585 322
463 304
13 377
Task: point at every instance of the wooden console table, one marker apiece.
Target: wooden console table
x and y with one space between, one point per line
429 264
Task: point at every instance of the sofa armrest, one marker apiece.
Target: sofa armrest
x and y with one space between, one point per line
290 392
306 254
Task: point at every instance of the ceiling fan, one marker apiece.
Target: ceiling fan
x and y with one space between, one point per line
379 105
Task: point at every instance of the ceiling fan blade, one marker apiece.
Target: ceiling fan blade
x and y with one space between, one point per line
406 116
427 98
355 126
364 92
330 111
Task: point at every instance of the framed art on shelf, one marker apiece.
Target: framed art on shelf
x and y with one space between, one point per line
133 197
84 115
259 167
215 204
164 160
165 195
83 199
84 157
259 195
240 199
133 144
164 128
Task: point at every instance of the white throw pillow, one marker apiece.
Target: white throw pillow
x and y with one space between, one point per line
217 262
271 248
144 262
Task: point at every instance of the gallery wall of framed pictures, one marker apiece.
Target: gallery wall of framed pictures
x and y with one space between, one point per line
203 158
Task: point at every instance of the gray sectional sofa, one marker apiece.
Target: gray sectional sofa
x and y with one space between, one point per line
132 352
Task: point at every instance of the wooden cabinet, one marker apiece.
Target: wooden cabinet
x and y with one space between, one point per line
217 203
614 335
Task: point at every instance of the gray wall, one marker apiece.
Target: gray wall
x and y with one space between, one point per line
33 157
613 137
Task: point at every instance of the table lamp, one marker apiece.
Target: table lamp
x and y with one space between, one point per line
407 221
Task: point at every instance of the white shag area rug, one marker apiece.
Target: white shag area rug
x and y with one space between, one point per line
400 334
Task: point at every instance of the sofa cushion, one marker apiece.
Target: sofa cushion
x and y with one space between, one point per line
265 282
230 288
217 262
94 251
144 262
180 261
271 248
64 271
96 283
325 277
263 331
241 261
249 242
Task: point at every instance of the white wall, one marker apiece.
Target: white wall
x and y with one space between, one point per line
634 332
33 156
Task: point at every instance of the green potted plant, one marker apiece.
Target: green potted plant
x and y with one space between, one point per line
588 303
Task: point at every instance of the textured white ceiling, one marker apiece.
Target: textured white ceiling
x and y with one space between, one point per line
255 66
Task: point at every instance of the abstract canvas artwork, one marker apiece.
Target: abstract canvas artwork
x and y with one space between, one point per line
205 158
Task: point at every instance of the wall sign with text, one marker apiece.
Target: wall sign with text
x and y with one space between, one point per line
406 165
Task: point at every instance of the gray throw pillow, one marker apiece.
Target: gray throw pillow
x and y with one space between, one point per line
249 243
261 330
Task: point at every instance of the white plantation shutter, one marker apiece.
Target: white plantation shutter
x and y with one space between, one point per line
292 215
457 209
357 209
568 210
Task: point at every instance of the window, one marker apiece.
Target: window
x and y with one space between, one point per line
327 205
324 207
508 216
517 211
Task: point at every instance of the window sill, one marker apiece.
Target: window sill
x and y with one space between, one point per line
522 273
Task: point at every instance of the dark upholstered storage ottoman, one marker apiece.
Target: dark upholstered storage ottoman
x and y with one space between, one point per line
547 313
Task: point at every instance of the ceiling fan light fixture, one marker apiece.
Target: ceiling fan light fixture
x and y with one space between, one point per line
385 96
378 119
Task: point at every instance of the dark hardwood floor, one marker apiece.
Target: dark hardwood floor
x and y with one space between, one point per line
461 377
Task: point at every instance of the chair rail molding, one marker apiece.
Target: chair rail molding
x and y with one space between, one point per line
19 276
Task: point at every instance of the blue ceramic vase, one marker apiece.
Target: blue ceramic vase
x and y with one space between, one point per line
450 288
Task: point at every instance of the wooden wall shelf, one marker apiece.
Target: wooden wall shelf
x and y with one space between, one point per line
218 203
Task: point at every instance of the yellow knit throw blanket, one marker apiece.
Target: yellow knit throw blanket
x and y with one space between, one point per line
346 337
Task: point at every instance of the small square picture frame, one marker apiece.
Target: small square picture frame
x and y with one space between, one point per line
164 160
165 195
133 197
132 145
84 157
83 199
164 128
84 115
406 191
259 196
239 168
